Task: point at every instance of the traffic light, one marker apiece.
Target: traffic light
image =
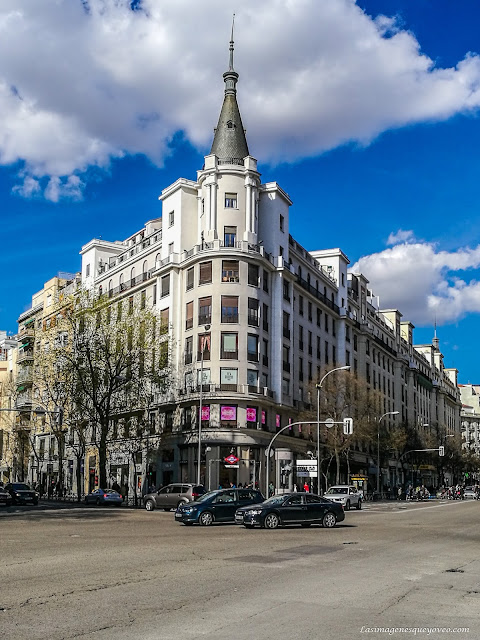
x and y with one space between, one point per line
59 417
348 426
441 450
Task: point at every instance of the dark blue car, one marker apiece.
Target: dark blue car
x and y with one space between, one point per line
217 506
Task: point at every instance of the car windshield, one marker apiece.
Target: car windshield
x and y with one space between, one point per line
336 490
207 496
18 486
275 500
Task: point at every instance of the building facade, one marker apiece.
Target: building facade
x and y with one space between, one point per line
250 321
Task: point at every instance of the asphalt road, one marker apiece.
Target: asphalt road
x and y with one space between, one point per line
102 573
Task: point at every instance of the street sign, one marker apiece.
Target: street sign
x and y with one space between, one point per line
329 422
232 466
441 450
231 459
348 426
306 468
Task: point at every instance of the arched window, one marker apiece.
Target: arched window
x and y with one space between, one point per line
110 288
120 282
132 275
145 267
299 272
157 258
100 290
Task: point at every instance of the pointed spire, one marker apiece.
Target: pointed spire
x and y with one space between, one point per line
435 341
230 66
229 142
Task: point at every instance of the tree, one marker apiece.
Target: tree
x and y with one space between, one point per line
110 367
344 394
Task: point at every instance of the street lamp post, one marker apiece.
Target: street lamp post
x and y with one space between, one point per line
388 413
206 328
319 387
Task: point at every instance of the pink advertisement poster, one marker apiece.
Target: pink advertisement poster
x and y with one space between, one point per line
205 413
228 413
277 420
263 417
251 414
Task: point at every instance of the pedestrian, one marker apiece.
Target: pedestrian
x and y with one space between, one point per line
295 488
306 488
399 493
271 489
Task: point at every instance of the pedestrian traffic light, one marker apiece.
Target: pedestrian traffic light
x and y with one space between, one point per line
441 450
59 417
348 426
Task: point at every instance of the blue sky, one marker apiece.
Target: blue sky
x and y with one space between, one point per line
366 144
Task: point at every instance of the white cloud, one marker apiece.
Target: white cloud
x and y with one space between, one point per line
422 282
83 82
400 237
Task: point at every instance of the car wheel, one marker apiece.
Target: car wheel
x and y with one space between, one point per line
97 502
149 505
329 520
347 505
206 518
271 521
359 505
306 524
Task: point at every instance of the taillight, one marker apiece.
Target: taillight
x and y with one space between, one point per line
120 496
105 495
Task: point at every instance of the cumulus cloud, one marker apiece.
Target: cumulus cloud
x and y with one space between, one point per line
85 81
400 236
423 282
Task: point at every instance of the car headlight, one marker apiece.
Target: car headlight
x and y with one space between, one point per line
188 509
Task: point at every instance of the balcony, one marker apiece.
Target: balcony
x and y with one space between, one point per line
229 387
230 318
317 294
24 356
229 355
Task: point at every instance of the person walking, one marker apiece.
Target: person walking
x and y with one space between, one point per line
306 488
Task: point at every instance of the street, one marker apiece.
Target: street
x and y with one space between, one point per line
101 573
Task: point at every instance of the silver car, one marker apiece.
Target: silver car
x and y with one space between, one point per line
346 495
172 496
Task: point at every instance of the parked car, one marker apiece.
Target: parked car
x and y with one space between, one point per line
345 494
5 498
217 506
21 493
172 496
291 508
104 496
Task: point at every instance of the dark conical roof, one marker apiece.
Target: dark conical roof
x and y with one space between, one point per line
229 142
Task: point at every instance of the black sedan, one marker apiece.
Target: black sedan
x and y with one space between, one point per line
5 497
21 493
291 508
217 506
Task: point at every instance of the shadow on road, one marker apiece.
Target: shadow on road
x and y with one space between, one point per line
50 512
